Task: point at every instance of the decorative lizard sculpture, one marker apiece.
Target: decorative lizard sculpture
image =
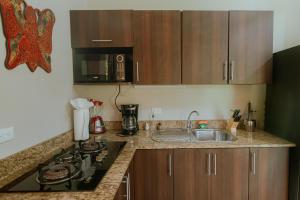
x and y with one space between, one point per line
28 33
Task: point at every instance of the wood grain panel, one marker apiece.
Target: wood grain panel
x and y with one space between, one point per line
122 191
152 179
157 47
191 176
270 180
204 47
251 46
230 179
89 25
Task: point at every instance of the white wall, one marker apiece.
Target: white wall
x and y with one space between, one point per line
212 101
36 104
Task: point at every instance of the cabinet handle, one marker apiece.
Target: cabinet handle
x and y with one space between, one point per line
208 164
253 163
101 40
215 164
170 165
137 72
232 65
225 72
126 180
128 186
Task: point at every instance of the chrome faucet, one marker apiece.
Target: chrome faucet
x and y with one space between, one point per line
189 122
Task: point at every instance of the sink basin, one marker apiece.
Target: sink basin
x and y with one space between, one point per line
197 135
171 135
216 135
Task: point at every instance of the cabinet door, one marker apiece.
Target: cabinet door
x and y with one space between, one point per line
204 47
157 47
153 176
126 189
191 174
93 28
250 47
230 174
268 177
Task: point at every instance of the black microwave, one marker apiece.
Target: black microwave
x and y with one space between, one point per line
102 65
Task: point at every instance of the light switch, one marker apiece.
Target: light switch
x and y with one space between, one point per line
6 134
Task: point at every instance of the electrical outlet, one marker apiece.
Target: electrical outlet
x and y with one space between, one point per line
6 134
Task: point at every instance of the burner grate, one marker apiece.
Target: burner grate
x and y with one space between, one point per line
58 173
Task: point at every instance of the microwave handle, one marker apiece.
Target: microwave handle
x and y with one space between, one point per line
137 72
101 40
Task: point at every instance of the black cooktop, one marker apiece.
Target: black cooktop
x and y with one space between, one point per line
78 168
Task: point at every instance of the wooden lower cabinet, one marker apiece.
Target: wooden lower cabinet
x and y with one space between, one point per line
153 174
207 174
230 174
191 174
211 174
268 177
126 189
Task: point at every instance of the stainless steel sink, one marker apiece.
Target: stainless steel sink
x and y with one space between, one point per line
216 135
197 135
171 135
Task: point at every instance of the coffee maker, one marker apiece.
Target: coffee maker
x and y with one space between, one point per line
130 124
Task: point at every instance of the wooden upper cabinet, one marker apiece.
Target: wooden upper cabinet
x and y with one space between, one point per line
157 47
250 47
104 28
204 47
153 174
268 177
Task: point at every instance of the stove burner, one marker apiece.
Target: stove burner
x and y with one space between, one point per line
91 147
64 156
57 173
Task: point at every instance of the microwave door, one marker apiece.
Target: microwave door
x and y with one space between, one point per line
98 67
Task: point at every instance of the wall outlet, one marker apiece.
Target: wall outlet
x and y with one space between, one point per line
7 134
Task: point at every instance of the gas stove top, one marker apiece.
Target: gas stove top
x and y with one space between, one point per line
78 168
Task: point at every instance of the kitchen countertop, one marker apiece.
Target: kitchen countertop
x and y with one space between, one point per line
109 185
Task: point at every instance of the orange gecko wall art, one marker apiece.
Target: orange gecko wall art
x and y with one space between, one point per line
28 33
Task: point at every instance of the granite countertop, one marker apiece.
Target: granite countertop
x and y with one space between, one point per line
109 185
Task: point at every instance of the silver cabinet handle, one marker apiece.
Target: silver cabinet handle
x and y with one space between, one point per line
215 164
137 72
170 165
225 72
101 40
209 164
128 186
232 65
253 163
126 180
